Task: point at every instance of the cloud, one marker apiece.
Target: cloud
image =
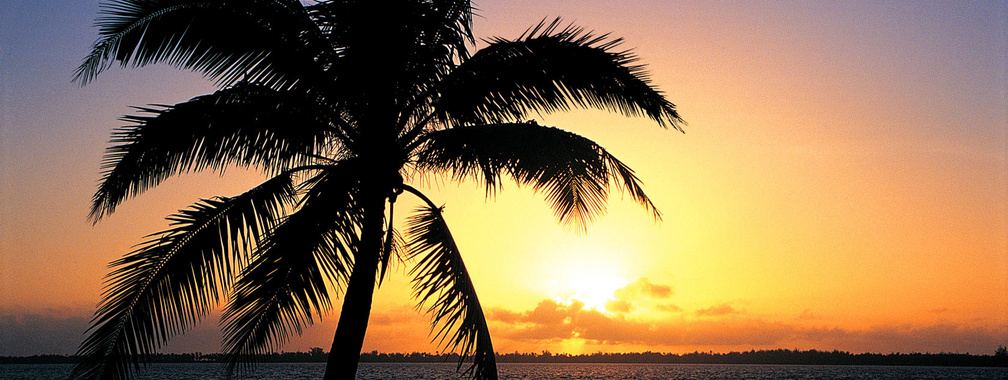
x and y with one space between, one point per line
42 332
717 311
619 306
550 312
546 312
548 326
909 338
643 288
39 332
641 294
668 307
504 315
401 315
36 332
551 322
808 315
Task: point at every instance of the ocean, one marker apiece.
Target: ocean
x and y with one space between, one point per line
445 371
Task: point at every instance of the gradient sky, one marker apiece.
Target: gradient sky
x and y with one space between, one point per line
842 184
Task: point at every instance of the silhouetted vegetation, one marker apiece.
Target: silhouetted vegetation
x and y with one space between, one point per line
340 103
779 356
38 359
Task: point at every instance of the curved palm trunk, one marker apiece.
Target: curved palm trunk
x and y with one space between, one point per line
353 321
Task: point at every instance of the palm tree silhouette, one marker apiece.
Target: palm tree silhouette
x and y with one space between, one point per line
337 102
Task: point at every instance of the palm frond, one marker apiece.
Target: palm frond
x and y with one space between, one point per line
441 281
573 171
276 296
392 246
245 125
174 279
395 53
442 34
456 23
267 41
551 69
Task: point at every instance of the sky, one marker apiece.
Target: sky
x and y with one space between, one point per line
842 183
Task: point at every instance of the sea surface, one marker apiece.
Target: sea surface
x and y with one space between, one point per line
438 371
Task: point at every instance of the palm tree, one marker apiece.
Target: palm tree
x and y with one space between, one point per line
338 103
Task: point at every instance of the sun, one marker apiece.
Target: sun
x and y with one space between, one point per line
594 286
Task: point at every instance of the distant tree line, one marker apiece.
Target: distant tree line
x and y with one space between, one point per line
779 356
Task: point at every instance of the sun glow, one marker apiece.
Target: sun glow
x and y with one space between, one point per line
593 288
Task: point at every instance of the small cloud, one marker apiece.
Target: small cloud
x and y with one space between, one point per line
668 307
552 312
397 316
643 288
637 295
808 315
619 306
717 311
546 312
504 315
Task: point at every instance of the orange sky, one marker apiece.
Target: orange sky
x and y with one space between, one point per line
842 184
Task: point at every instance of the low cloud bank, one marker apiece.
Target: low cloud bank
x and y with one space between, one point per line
641 316
38 333
719 327
723 326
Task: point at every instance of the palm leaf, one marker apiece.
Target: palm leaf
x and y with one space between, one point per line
392 245
245 125
444 28
550 69
399 59
574 172
173 280
440 280
277 294
267 41
455 25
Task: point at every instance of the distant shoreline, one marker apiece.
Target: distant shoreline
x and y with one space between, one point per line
781 356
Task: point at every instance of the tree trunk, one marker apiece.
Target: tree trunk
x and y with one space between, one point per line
353 320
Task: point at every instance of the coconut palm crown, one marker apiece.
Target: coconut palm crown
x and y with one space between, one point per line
338 102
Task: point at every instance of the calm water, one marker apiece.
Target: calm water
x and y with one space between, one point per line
538 371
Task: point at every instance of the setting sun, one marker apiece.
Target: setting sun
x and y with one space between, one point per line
593 288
